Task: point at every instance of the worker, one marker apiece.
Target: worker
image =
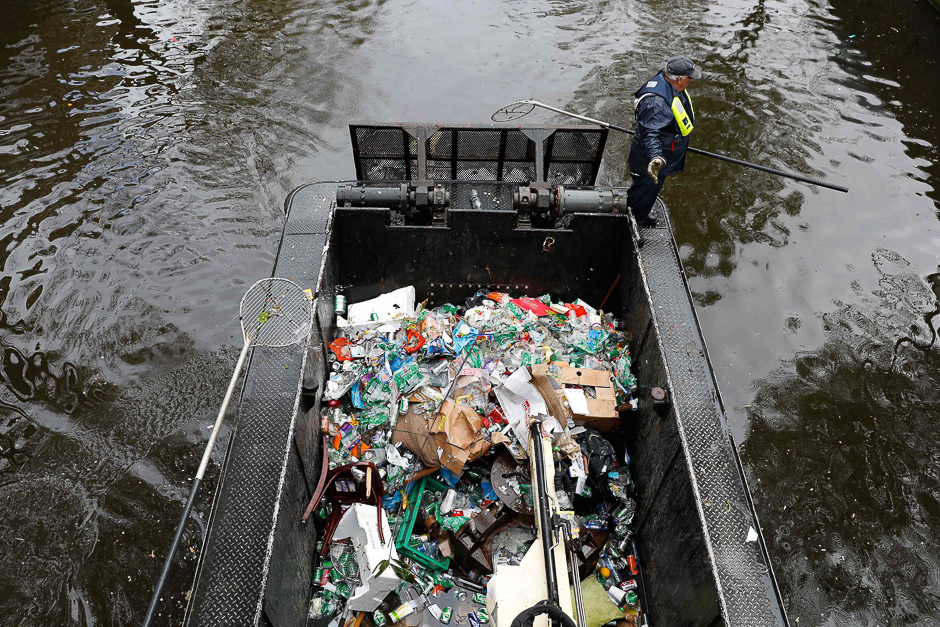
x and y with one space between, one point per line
664 120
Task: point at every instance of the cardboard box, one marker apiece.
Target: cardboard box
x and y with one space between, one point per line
553 393
596 413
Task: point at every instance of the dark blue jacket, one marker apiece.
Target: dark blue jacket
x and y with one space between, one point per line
657 133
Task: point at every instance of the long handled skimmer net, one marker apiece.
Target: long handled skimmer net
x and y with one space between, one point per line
521 108
274 312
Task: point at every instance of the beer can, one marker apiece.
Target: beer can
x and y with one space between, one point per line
631 563
446 615
335 575
318 576
624 514
339 305
343 589
484 616
325 574
479 598
474 621
378 618
628 585
624 544
631 598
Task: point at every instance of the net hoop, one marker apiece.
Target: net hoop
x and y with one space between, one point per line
275 312
513 111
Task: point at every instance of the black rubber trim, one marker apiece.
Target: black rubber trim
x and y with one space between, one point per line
527 617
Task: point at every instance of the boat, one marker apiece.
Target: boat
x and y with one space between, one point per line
450 210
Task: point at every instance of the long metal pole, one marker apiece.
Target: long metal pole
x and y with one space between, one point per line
575 575
713 155
206 456
545 522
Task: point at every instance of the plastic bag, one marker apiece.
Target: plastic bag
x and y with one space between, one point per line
600 452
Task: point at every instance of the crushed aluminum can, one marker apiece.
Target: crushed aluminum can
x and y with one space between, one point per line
628 584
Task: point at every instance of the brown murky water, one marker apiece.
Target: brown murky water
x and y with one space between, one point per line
146 149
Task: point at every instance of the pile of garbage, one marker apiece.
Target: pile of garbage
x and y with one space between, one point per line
425 421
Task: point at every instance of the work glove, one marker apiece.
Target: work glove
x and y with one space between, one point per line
655 166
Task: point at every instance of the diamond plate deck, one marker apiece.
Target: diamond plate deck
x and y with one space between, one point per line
746 588
236 554
228 590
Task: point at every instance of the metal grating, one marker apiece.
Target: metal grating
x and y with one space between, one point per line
478 171
519 171
235 559
385 169
567 154
745 583
577 146
228 590
309 208
568 173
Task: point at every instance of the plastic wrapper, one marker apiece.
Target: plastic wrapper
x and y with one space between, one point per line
323 605
620 483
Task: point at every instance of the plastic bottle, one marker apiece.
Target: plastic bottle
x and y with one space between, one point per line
475 200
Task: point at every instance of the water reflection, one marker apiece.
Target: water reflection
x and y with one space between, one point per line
846 436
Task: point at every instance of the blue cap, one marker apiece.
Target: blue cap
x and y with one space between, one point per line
683 66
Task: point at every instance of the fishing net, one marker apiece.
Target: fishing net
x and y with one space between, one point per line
513 111
275 312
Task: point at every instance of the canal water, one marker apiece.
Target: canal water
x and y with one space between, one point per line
146 148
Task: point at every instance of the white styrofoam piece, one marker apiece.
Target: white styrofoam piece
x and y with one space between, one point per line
387 307
577 401
359 523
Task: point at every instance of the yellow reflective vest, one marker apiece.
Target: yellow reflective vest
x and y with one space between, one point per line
683 119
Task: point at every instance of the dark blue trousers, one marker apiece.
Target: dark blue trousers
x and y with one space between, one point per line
642 194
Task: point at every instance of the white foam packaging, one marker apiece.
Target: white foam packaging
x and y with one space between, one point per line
361 525
386 308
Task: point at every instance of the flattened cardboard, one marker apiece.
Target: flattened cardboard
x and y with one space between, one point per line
602 410
460 426
412 431
554 395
